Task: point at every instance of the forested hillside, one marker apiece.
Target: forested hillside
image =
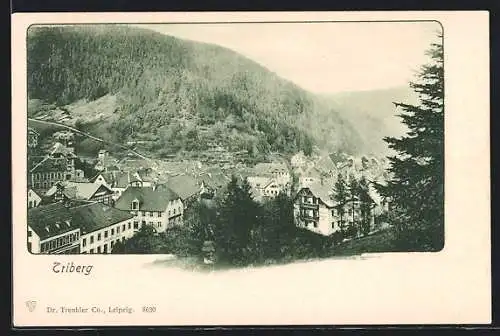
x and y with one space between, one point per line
374 113
128 84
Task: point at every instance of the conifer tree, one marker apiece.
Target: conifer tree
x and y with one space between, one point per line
353 187
340 195
416 187
238 216
365 205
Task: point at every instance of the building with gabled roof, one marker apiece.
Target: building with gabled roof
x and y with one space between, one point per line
315 209
159 206
277 170
265 187
102 226
44 173
34 199
69 227
184 185
85 191
52 230
117 181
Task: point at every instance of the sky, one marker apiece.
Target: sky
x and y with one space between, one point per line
324 57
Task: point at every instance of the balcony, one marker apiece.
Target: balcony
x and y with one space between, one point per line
307 217
307 205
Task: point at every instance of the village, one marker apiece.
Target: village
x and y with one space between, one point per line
71 213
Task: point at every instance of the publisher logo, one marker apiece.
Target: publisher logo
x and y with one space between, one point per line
31 305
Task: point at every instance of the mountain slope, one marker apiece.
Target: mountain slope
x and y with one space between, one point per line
373 113
128 84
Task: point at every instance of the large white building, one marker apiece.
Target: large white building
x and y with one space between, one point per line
52 230
102 226
158 207
315 210
72 227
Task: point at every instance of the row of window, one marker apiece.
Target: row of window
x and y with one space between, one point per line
59 242
172 212
105 199
32 204
272 192
47 176
315 224
108 233
104 248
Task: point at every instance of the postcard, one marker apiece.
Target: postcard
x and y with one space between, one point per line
264 168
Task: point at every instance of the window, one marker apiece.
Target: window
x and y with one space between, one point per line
118 230
29 233
175 210
84 242
105 248
106 234
151 214
30 204
29 246
159 214
135 205
112 231
91 239
129 225
98 237
136 225
91 251
315 224
143 213
98 249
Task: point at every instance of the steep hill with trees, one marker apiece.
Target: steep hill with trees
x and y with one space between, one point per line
127 84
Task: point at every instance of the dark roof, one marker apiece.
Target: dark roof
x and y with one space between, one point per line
61 217
215 180
183 185
51 220
320 191
96 216
149 199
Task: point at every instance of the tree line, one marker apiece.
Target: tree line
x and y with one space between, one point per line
243 231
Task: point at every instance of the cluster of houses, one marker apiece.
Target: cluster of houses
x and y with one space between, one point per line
71 213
